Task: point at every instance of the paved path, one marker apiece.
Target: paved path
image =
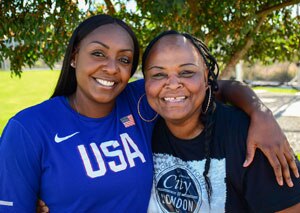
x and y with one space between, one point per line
286 109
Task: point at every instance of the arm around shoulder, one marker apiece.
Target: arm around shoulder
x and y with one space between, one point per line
264 131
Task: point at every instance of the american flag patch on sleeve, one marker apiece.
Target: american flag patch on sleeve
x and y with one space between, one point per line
128 121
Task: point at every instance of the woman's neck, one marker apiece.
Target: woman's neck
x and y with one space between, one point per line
90 108
188 129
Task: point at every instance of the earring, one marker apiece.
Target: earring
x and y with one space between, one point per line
208 101
139 112
73 64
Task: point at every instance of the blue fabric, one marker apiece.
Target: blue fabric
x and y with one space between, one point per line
75 163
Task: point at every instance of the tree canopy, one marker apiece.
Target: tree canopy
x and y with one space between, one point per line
249 30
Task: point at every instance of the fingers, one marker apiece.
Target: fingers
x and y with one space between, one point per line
249 155
294 168
291 160
285 170
41 207
276 165
288 164
41 203
283 163
45 209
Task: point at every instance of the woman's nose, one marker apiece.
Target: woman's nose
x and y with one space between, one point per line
111 66
173 82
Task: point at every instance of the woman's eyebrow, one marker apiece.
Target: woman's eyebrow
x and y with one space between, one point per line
99 42
188 64
155 67
107 47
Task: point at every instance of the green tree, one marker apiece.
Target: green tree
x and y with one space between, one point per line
32 30
265 30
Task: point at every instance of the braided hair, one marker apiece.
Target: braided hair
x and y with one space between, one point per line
208 106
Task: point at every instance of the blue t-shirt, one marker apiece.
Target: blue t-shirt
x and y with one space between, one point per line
179 184
75 163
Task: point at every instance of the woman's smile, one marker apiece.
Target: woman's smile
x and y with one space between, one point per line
105 83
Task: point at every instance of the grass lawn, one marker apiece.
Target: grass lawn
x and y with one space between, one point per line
18 93
277 89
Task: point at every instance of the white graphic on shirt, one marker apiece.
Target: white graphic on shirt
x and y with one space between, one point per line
6 203
110 149
58 139
179 186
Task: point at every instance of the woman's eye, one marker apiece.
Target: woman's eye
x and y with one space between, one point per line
158 76
98 54
186 73
125 60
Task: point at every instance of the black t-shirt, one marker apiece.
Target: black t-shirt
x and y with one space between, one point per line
179 184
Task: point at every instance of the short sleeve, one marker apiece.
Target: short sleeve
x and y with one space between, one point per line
19 170
262 192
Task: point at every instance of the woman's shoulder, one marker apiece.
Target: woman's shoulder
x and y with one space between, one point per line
39 110
134 90
230 113
136 86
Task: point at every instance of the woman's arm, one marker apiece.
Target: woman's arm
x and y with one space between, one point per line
19 169
264 132
292 209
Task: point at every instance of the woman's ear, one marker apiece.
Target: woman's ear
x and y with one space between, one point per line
73 63
74 56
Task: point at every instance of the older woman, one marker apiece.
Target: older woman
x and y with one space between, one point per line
199 144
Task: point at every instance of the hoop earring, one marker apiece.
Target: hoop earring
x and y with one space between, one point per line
139 112
208 102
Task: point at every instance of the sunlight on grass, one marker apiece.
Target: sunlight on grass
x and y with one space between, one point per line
277 90
19 93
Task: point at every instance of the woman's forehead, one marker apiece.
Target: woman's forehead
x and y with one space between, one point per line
110 33
174 45
177 42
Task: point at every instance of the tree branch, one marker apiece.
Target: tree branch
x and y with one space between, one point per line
241 52
263 12
194 13
110 7
268 10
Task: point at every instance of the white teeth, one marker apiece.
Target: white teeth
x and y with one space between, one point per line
174 99
105 83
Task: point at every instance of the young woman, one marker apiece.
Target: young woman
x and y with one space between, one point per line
87 149
199 144
83 150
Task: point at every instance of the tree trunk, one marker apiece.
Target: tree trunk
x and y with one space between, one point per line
240 53
236 57
110 7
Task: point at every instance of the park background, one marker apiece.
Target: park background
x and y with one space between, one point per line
257 42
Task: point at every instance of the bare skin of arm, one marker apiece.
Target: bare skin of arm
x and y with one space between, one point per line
292 209
264 131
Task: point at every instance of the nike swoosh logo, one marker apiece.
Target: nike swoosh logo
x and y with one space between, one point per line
61 139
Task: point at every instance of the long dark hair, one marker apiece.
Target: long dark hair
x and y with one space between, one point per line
208 106
67 83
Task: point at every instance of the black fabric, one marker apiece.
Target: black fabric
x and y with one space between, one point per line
235 189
